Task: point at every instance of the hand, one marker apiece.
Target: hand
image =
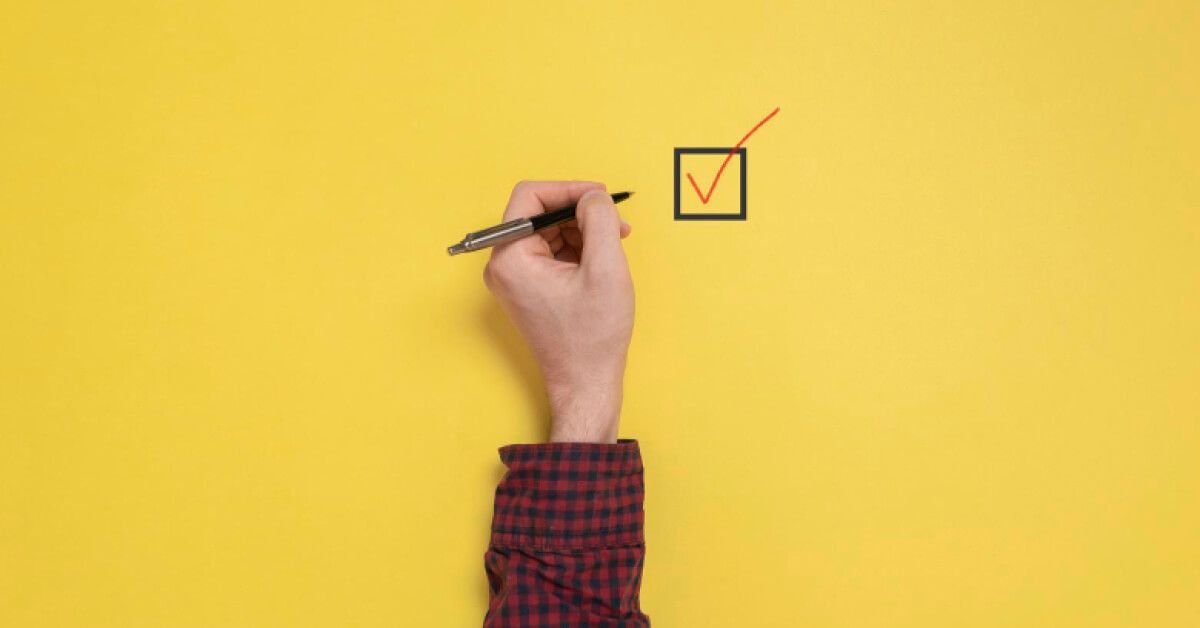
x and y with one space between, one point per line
569 292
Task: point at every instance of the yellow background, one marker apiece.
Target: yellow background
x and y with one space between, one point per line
945 375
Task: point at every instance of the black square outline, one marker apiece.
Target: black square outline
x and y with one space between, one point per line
709 151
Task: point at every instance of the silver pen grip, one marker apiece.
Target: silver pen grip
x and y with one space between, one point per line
492 236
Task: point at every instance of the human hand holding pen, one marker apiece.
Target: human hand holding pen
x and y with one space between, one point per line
569 292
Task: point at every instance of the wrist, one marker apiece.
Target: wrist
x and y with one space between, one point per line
587 413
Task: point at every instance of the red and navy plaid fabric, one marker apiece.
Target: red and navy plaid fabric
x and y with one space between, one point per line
567 545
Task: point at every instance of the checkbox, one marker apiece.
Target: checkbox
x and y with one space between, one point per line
710 192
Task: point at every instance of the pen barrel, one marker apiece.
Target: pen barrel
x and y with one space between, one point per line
518 228
494 236
551 218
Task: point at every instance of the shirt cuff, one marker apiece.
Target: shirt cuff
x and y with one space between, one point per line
570 496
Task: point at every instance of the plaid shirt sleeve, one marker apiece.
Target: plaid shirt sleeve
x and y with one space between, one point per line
567 544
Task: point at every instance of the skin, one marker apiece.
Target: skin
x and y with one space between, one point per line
569 292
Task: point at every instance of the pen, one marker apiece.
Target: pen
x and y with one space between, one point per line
519 228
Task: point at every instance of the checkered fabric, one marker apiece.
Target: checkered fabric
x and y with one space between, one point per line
567 545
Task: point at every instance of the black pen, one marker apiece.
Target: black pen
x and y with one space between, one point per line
519 228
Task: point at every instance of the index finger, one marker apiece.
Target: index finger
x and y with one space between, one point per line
530 198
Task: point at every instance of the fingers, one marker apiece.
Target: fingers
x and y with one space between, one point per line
570 233
530 198
600 228
568 254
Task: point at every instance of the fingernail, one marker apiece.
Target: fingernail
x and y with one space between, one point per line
624 224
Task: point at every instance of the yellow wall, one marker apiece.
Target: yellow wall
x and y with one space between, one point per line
945 375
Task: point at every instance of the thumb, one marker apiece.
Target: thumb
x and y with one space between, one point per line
600 226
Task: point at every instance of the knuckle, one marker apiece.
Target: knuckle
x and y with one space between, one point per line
596 201
487 275
496 274
596 211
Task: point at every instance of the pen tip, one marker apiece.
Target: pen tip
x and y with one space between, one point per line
617 197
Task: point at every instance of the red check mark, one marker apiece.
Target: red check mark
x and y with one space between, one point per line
704 198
